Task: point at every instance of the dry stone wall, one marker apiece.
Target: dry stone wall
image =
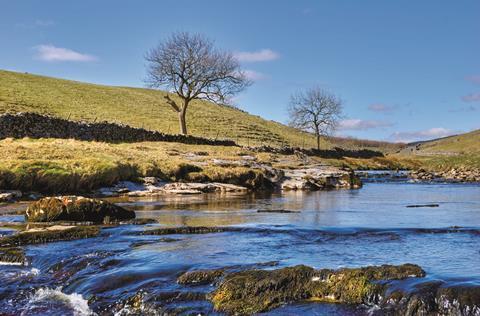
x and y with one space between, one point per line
34 125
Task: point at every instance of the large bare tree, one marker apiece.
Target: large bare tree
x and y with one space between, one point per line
191 67
315 110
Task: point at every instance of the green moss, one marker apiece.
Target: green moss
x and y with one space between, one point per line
12 255
45 236
200 276
254 291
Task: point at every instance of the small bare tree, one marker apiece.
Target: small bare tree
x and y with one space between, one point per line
315 110
189 66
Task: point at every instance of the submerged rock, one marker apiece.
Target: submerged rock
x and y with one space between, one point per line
255 291
422 205
49 234
276 211
12 255
200 277
76 208
187 230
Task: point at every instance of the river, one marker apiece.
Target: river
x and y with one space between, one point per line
342 228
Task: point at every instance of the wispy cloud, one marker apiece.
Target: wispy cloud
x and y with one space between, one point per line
472 97
361 125
432 133
35 24
379 107
474 79
52 53
257 56
469 108
254 75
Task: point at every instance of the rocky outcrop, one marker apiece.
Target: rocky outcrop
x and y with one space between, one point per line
319 178
49 234
34 125
76 209
253 291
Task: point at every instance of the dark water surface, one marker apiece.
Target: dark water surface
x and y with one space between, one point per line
370 226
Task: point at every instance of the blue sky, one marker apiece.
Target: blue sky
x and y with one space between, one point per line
406 70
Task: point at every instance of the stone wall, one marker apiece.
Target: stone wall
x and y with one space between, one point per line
335 153
42 126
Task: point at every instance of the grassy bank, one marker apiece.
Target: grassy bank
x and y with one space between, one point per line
146 108
71 166
57 166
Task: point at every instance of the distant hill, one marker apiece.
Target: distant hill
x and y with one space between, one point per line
468 143
146 108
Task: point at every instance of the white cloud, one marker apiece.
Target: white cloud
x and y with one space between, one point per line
379 107
361 125
474 79
473 97
52 53
432 133
254 75
44 22
261 55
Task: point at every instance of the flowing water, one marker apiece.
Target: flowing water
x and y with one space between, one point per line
344 228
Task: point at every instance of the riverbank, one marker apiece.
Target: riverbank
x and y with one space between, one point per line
54 166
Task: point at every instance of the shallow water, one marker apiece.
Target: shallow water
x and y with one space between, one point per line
334 229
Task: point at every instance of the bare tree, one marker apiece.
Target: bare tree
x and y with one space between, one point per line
189 66
315 110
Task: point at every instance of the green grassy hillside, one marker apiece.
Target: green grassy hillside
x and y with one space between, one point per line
460 144
146 108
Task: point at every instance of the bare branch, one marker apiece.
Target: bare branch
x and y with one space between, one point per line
315 110
189 66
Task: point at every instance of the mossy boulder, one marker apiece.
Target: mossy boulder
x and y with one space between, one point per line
50 234
254 291
200 277
76 209
12 255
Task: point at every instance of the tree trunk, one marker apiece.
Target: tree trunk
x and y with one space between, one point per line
183 123
318 141
182 117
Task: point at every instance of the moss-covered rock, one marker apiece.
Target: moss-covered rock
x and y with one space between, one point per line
49 234
12 255
188 230
200 276
254 291
434 298
76 208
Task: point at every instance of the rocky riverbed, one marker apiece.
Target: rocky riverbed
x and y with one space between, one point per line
366 251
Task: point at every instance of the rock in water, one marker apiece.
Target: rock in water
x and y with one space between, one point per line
200 277
254 291
12 255
49 234
76 209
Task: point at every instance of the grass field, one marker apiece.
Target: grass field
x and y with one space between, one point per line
146 108
464 144
58 165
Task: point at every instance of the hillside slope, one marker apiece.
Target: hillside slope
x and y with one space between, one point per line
146 108
459 144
